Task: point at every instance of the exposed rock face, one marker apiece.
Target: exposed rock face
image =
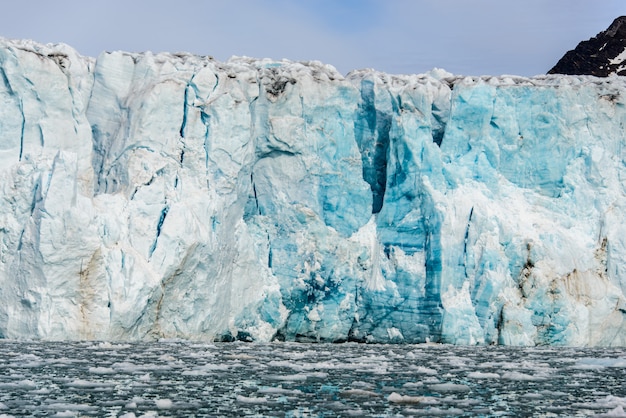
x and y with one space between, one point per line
602 55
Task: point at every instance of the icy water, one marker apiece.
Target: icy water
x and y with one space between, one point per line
301 380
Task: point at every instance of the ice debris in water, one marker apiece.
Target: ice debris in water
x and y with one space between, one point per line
337 380
147 196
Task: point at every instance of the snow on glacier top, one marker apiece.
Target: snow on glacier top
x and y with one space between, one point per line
61 51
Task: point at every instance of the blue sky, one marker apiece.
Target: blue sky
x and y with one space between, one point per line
473 37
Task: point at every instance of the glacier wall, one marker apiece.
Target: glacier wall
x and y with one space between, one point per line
152 196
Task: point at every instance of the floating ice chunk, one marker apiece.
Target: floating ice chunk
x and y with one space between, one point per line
609 401
289 377
22 384
86 384
163 403
449 387
101 370
482 375
242 356
513 375
617 412
41 391
533 396
279 390
65 414
359 393
206 369
434 411
395 397
317 375
61 406
424 370
598 363
109 346
251 400
363 385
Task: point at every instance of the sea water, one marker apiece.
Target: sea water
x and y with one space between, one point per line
178 378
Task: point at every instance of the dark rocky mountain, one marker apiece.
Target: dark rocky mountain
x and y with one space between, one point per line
602 55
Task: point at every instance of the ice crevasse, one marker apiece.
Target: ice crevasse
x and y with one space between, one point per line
147 196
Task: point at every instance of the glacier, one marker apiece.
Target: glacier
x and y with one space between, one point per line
147 196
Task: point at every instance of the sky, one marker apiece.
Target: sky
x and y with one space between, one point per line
468 37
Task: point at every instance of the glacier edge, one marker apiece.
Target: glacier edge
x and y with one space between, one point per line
148 196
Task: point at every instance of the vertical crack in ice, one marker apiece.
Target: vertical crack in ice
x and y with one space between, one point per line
41 138
206 119
304 124
353 332
6 81
98 157
217 83
467 230
36 195
438 123
164 212
20 106
109 148
432 307
183 124
21 240
252 207
256 198
372 130
55 161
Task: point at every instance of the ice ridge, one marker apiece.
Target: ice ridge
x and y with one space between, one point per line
147 196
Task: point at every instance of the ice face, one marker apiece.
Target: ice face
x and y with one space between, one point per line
147 196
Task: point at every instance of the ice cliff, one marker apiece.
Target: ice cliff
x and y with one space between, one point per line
173 196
